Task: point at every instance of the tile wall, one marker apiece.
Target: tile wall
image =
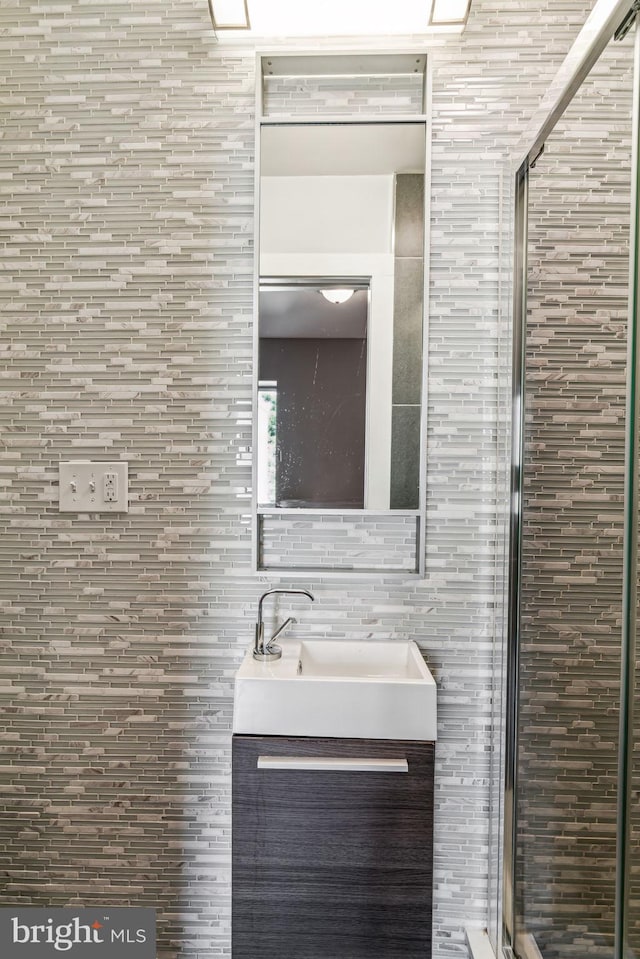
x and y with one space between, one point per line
126 173
385 543
328 96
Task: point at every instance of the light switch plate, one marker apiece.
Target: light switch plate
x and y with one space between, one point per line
94 487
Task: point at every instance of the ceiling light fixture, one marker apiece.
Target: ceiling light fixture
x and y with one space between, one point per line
229 14
295 18
337 295
449 13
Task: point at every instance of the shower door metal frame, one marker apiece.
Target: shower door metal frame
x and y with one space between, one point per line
606 19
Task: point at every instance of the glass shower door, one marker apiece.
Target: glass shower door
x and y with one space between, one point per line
573 521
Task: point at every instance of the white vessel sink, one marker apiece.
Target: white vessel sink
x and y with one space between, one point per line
337 688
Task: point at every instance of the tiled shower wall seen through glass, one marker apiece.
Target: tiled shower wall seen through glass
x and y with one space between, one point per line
573 522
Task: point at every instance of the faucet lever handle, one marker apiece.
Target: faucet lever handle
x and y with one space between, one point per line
291 621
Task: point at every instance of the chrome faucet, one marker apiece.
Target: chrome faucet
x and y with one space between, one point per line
268 651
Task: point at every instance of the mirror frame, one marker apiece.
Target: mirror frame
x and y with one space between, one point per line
313 65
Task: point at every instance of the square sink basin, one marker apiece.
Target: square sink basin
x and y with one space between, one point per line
337 688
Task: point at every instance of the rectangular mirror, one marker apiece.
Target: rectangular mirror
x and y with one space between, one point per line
340 315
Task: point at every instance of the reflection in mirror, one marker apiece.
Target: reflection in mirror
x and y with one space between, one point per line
340 315
311 396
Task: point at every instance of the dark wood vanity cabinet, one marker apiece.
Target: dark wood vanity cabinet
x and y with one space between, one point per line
332 848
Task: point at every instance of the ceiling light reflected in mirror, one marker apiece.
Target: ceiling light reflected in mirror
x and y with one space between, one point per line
338 295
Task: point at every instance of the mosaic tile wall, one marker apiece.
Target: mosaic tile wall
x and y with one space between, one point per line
126 174
571 611
287 96
339 542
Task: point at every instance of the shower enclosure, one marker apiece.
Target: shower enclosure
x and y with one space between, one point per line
571 878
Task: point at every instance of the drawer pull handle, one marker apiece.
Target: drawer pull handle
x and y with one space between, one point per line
341 764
